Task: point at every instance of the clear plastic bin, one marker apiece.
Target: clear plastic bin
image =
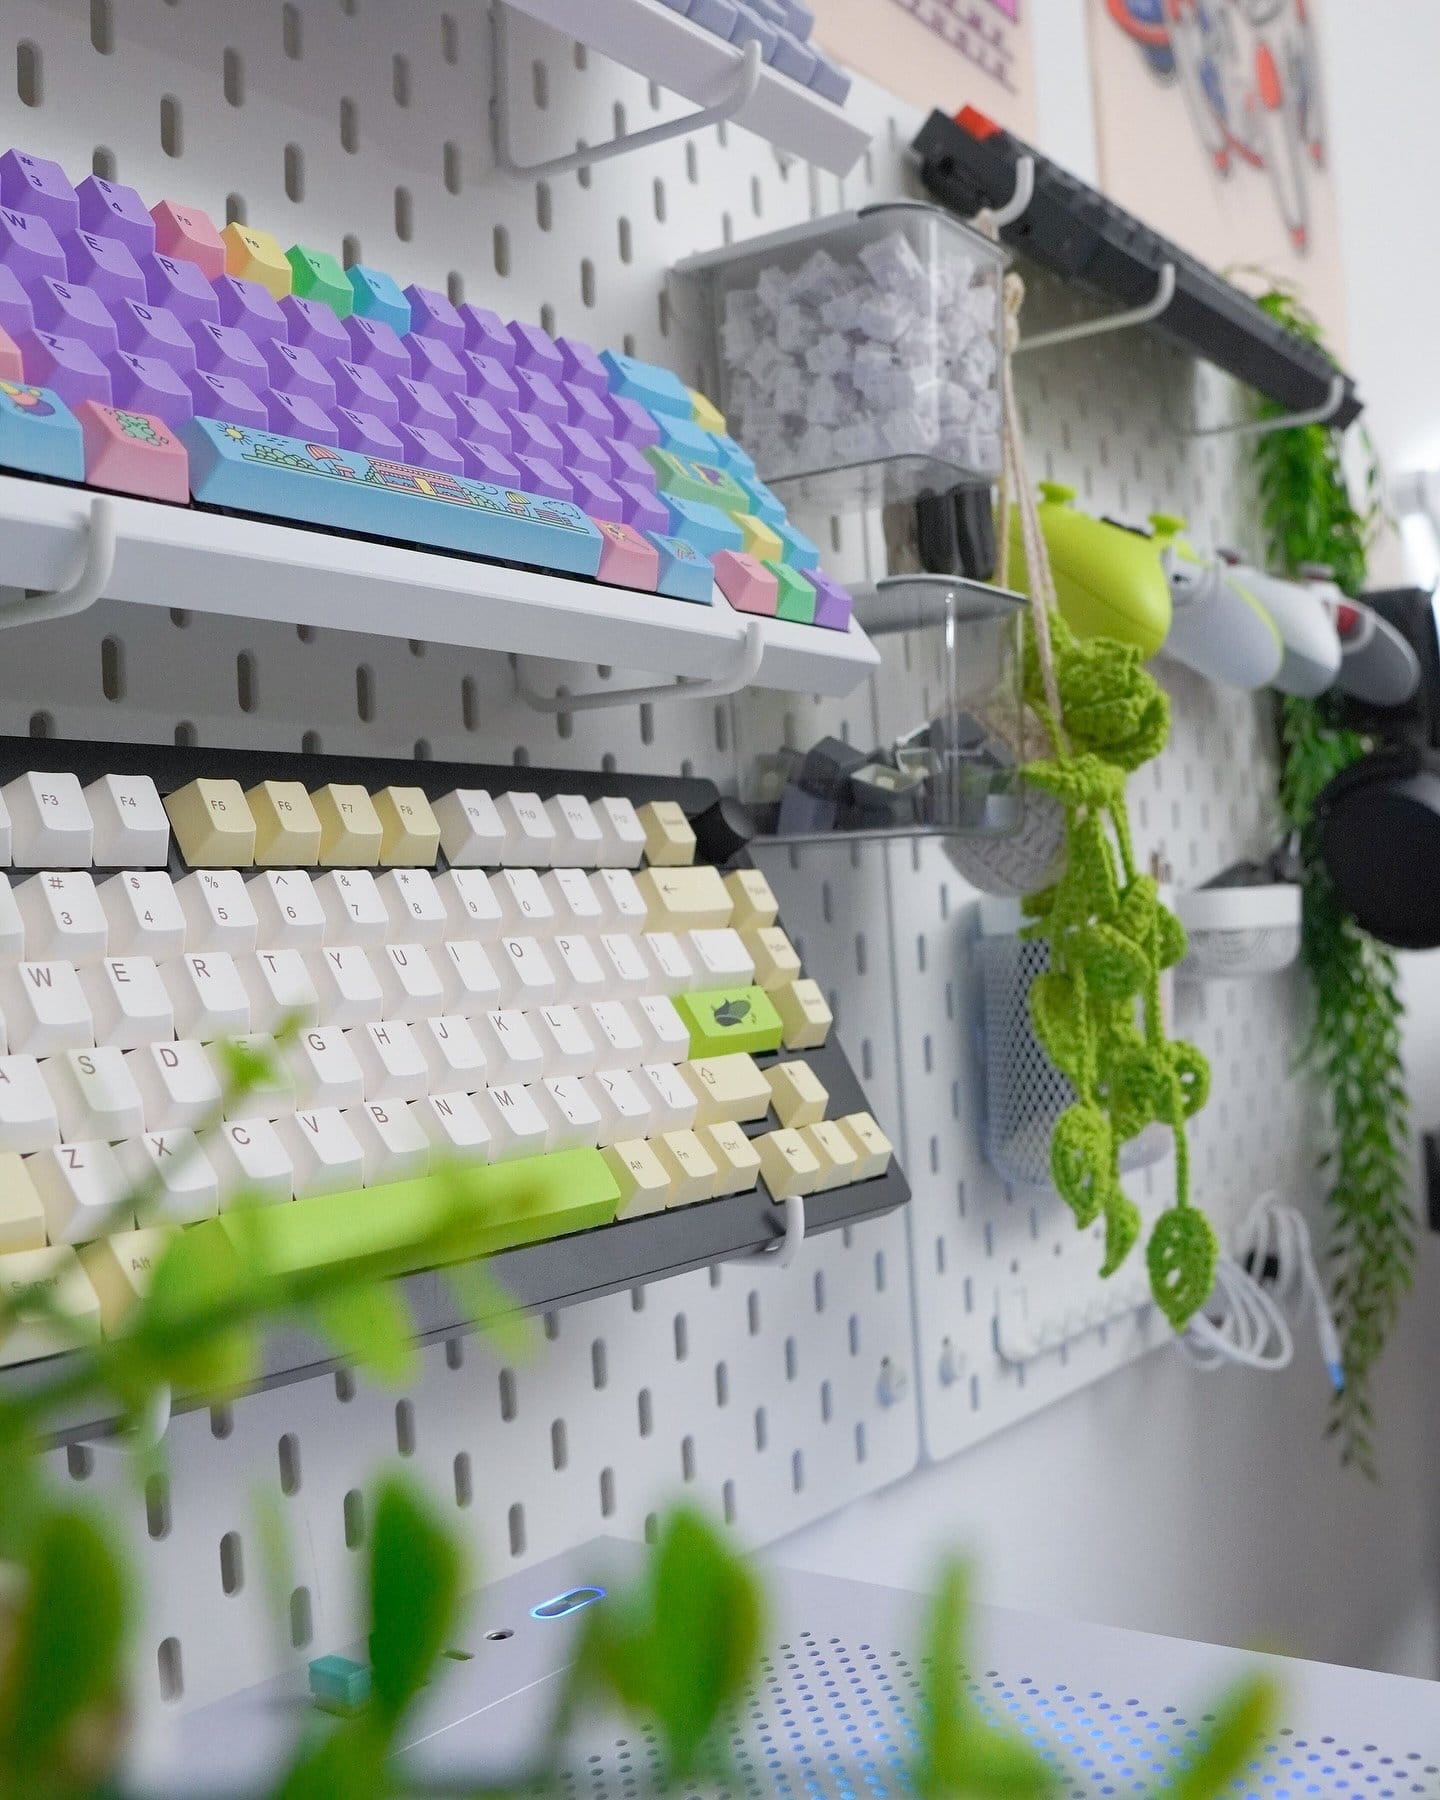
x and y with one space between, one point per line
857 358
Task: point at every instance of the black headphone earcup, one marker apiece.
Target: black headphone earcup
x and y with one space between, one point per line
1379 837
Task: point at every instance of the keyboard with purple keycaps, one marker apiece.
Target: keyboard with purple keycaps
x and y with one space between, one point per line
781 28
145 352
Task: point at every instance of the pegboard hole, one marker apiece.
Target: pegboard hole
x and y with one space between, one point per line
290 31
454 1353
501 250
354 1515
102 27
405 1427
287 1452
112 668
302 1620
547 318
451 166
464 1480
692 166
29 73
103 164
508 1403
659 201
168 1665
625 244
350 255
365 693
727 1501
599 1365
157 1507
222 1421
449 39
400 79
539 85
722 1384
607 1493
349 125
797 1471
762 1428
232 1563
344 1386
544 210
246 682
235 209
559 1445
645 1412
516 1523
682 1337
232 77
79 1462
294 173
687 1458
404 215
792 1359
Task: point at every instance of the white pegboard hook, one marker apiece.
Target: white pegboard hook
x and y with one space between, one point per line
739 92
749 655
1019 202
20 606
1313 415
785 1249
1119 321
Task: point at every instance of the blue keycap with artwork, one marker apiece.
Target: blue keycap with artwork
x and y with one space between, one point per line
705 527
800 551
687 439
660 389
684 573
283 477
39 434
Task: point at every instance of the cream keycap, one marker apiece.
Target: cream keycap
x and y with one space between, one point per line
50 824
728 1088
22 1217
872 1143
351 834
131 829
251 1164
691 1168
410 832
684 899
735 1157
287 826
70 1316
529 833
776 964
471 832
669 841
186 1188
787 1163
213 824
80 1186
805 1018
796 1094
754 902
835 1151
120 1268
128 1002
393 1143
640 1176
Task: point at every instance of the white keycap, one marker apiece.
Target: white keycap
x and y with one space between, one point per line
409 984
95 1095
574 900
721 957
143 915
668 955
577 831
471 903
622 836
78 1185
4 831
452 1054
324 1151
518 1126
27 1107
63 916
218 911
626 1109
393 1144
526 977
415 907
208 995
455 1126
572 1119
178 1084
390 1058
619 1041
472 833
187 1188
251 1163
512 1050
288 912
12 926
468 978
529 836
44 1009
580 975
565 1044
132 829
268 1090
622 957
50 824
667 1037
346 981
623 903
326 1070
128 1001
671 1096
524 904
279 987
354 911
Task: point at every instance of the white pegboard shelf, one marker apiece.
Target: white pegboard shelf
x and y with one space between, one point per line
253 569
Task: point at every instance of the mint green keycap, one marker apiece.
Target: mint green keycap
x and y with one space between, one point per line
795 598
723 1021
317 276
686 480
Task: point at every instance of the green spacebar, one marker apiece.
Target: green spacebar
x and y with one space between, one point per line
465 1211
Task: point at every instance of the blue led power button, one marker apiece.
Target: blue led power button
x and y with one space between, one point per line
564 1604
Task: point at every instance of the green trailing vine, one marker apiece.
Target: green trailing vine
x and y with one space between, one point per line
1310 516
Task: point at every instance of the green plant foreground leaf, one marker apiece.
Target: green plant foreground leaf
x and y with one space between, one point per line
1237 1731
415 1581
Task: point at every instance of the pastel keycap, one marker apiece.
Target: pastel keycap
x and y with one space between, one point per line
530 435
722 1021
298 371
681 479
423 405
763 503
298 416
316 275
133 453
377 296
488 379
315 327
256 255
225 350
684 573
581 450
375 344
362 431
427 449
626 558
479 423
630 463
433 315
39 433
832 603
71 368
106 264
539 476
29 248
190 235
659 389
154 331
634 423
536 350
795 598
365 390
34 184
581 366
800 552
16 313
432 360
702 525
76 312
747 584
11 366
148 384
587 409
762 541
640 508
252 309
183 288
732 456
486 334
540 395
706 414
594 495
686 438
223 397
114 211
483 462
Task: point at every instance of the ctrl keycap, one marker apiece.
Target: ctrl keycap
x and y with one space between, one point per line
133 453
39 433
69 1313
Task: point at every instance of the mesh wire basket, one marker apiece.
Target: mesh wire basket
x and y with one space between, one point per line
1236 933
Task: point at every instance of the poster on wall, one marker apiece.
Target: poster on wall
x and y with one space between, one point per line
945 53
1210 120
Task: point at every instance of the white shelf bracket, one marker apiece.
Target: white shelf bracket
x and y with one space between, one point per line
1314 415
24 606
749 656
1120 321
785 1249
1018 203
739 93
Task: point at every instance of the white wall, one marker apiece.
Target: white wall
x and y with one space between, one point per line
1213 1506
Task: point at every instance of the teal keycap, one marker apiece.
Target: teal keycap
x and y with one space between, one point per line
660 389
800 553
39 433
687 439
284 477
703 526
763 503
339 1685
684 573
378 296
732 457
794 596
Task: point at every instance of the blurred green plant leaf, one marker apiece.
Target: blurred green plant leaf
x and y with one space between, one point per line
1237 1729
369 1325
199 1276
350 1764
415 1578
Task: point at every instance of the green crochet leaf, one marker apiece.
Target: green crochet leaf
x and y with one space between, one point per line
1193 1073
1181 1258
1140 911
1081 1160
1055 1014
1116 967
1077 780
1122 1228
1171 942
1135 1083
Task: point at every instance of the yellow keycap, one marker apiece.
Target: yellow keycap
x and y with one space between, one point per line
693 899
871 1142
761 542
66 1287
410 831
788 1163
796 1094
755 904
835 1151
287 826
350 831
213 825
641 1177
735 1157
803 1014
669 841
727 1087
257 256
690 1166
22 1217
776 964
706 414
120 1268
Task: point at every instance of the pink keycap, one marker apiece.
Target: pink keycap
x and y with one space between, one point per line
11 368
626 560
133 453
189 234
745 583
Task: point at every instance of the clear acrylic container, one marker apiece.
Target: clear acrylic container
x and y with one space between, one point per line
857 358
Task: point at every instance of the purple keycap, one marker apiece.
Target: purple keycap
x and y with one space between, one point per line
594 495
832 603
314 327
747 25
222 350
148 384
488 379
588 409
424 406
155 331
714 15
426 449
73 369
180 286
435 362
582 451
29 248
798 61
374 345
34 184
582 367
295 371
535 349
829 82
485 335
118 212
531 436
362 431
478 421
365 391
642 509
106 265
539 395
16 314
537 476
633 423
252 309
629 464
77 312
432 315
222 397
483 462
297 416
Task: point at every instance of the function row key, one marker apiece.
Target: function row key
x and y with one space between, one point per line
48 821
